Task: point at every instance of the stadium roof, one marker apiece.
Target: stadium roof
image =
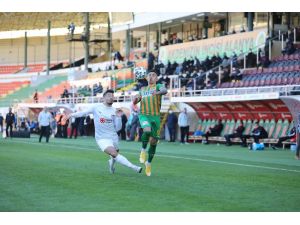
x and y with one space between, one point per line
39 20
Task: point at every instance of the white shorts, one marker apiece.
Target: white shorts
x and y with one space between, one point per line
105 143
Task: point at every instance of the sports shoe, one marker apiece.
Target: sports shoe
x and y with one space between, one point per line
274 148
139 169
148 169
111 165
143 157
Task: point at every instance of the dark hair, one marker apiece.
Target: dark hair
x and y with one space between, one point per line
108 91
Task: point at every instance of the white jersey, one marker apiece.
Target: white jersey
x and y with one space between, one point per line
106 122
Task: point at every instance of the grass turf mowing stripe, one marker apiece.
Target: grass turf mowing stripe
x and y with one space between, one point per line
175 157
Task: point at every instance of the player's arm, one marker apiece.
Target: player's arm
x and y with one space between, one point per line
137 99
80 114
118 121
161 90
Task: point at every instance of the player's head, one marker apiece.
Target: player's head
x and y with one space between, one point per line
108 96
45 109
10 109
152 77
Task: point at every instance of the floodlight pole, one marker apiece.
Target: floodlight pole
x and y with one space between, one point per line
25 50
87 40
110 39
48 47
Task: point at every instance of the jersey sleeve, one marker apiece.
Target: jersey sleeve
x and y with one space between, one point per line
159 86
84 112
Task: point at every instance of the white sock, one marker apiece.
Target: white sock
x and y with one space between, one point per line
143 150
122 160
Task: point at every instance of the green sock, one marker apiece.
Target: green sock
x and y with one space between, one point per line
145 139
151 152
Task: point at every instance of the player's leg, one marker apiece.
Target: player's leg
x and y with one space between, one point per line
109 148
146 126
155 125
42 133
47 128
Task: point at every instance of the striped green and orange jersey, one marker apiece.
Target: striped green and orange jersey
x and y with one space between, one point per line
150 104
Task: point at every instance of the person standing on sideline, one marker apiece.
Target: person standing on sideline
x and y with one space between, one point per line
150 97
74 126
107 123
1 123
122 132
171 124
9 120
184 126
44 123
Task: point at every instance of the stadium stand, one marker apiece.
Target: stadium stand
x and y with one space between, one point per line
11 87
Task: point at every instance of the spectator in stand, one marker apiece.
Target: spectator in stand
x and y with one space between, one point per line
122 132
97 88
190 86
165 80
225 75
166 42
65 94
214 131
289 47
1 123
183 123
236 74
172 124
183 80
257 133
291 135
151 59
36 97
250 59
74 126
238 132
213 77
118 56
9 120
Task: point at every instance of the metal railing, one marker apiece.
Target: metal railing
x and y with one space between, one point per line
283 90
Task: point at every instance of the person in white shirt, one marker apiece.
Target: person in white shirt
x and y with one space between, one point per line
107 123
44 124
184 126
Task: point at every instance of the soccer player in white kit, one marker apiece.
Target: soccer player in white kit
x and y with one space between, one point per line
107 123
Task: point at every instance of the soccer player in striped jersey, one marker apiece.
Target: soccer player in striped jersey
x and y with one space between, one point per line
150 98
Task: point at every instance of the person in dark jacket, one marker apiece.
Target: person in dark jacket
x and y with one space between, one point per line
172 124
238 132
214 131
1 123
291 135
122 132
257 133
9 120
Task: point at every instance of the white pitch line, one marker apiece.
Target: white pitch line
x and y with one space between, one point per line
172 156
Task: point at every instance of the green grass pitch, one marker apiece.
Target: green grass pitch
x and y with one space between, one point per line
72 175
